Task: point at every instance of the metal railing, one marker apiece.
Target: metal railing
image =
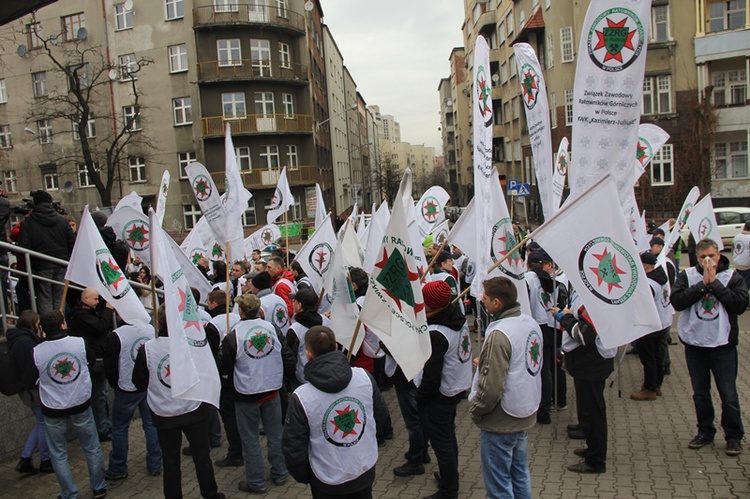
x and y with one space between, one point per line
260 178
252 69
257 123
228 12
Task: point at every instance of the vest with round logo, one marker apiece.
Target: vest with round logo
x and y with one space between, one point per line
64 379
448 278
661 298
741 251
456 374
523 385
131 339
159 397
275 311
706 322
300 331
342 429
258 367
539 308
220 323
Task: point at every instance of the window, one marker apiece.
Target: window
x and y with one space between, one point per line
182 111
248 218
260 53
264 104
191 213
72 24
553 110
509 24
233 104
5 139
288 103
726 14
566 41
657 95
285 57
292 161
3 91
34 31
733 94
281 8
244 163
11 181
90 128
44 131
568 106
501 32
229 51
131 117
506 111
39 83
178 61
128 67
517 150
175 9
508 150
662 168
225 6
79 76
83 175
50 179
659 23
512 66
550 51
516 103
504 73
137 167
123 17
269 157
184 159
730 160
521 19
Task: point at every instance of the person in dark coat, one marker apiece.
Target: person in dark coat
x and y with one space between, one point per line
46 231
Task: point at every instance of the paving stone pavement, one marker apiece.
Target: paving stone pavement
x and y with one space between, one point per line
648 454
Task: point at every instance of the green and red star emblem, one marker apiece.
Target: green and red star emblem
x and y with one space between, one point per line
614 38
137 236
397 280
430 209
217 250
535 353
607 271
202 188
509 242
529 86
641 153
189 309
562 164
64 368
112 274
708 305
345 421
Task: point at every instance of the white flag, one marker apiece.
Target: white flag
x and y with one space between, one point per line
558 176
92 265
132 227
316 255
651 138
349 244
675 233
282 199
431 209
132 200
262 238
607 93
394 308
236 197
463 232
536 106
194 373
320 206
344 309
440 234
209 200
702 222
590 241
161 203
194 247
377 226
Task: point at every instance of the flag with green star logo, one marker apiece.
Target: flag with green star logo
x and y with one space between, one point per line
209 200
431 209
702 221
675 233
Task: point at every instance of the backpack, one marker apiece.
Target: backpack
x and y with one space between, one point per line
10 377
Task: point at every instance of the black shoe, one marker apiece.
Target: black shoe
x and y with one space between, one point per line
105 437
26 467
734 448
229 462
699 441
186 451
581 452
543 419
46 467
115 476
584 467
667 371
574 426
245 487
576 434
425 457
215 445
409 468
100 494
670 340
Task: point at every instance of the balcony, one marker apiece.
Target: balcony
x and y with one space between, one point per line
486 21
248 69
257 124
722 45
259 178
230 13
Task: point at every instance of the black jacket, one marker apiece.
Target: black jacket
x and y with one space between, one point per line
4 217
22 342
733 296
48 232
330 373
307 318
118 248
429 388
92 325
585 362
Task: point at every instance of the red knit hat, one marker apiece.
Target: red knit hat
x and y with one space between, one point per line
437 294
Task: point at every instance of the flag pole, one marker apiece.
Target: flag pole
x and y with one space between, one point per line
286 234
64 296
228 286
354 340
153 303
496 265
320 297
432 262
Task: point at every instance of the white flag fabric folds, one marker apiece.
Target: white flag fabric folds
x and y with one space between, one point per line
536 106
349 244
674 234
262 237
607 93
651 138
377 226
209 200
132 227
194 372
431 209
462 234
590 241
132 200
394 308
320 206
316 256
161 203
344 309
236 197
93 266
702 222
558 176
282 199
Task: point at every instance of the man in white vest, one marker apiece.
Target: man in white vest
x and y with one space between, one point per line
120 352
329 437
710 297
506 390
65 393
272 306
306 315
250 357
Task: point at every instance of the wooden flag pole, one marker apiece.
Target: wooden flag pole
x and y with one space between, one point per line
64 296
228 288
320 297
354 340
496 265
286 234
153 303
432 262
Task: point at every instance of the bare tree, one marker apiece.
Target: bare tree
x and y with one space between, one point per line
89 75
388 180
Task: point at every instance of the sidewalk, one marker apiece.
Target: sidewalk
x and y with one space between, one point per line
648 454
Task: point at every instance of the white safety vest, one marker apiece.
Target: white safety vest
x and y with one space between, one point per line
258 367
64 379
342 429
540 301
131 339
275 310
300 331
661 298
220 323
741 251
205 316
159 396
706 322
456 374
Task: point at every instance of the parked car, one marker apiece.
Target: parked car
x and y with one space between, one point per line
730 221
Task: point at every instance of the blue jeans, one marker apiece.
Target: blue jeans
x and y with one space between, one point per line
418 442
85 429
249 415
506 474
722 362
36 439
122 414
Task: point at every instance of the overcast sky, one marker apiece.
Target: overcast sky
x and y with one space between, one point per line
397 52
